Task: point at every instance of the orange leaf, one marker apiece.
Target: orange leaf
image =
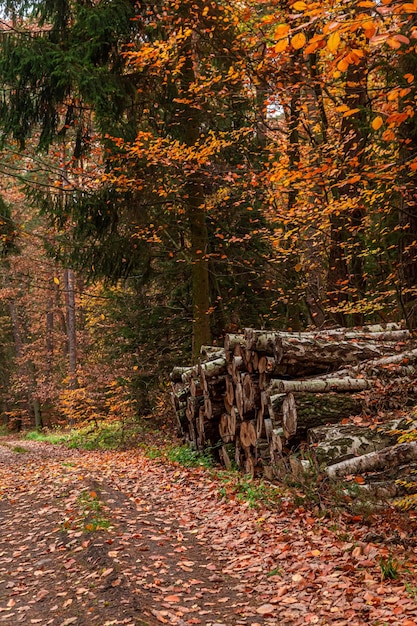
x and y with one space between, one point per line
299 6
359 479
281 45
333 42
281 30
350 112
172 599
298 41
377 122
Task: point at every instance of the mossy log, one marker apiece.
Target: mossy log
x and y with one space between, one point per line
338 442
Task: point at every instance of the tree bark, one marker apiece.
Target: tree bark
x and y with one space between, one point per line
318 385
338 442
316 409
388 457
69 284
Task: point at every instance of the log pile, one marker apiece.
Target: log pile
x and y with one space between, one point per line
263 400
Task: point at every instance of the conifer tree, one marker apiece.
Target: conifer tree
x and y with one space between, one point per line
159 92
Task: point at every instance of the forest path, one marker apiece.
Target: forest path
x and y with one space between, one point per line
112 538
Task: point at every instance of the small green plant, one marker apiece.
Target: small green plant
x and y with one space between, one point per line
19 449
152 452
254 491
4 430
186 456
277 571
411 590
92 518
389 568
56 437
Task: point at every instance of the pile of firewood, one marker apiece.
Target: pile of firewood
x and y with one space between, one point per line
271 400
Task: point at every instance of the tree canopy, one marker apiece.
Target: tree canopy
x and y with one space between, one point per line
221 165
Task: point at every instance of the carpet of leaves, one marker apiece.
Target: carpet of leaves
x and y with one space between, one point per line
112 538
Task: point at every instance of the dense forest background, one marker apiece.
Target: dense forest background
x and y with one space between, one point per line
173 171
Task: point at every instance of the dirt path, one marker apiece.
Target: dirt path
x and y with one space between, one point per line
115 538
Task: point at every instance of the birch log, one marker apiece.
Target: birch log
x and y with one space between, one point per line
316 385
388 457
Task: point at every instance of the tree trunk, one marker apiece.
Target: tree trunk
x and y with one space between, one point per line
345 273
189 127
71 326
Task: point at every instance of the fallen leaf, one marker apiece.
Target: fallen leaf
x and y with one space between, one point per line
266 610
172 599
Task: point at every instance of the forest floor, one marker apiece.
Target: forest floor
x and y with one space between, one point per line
112 538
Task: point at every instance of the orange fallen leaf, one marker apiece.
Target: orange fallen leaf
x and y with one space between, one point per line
107 572
172 599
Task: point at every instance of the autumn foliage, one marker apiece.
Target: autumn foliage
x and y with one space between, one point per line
202 168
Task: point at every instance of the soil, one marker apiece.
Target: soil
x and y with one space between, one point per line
112 538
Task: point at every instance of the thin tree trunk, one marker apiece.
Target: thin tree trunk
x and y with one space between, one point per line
196 214
345 276
69 285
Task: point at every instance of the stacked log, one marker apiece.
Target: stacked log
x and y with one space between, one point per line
258 399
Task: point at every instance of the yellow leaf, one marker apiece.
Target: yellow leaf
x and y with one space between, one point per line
333 42
377 122
299 6
298 267
298 41
56 280
281 45
281 30
350 112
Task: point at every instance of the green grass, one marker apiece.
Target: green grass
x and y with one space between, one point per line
256 492
90 517
389 568
56 436
19 449
104 436
186 456
182 454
